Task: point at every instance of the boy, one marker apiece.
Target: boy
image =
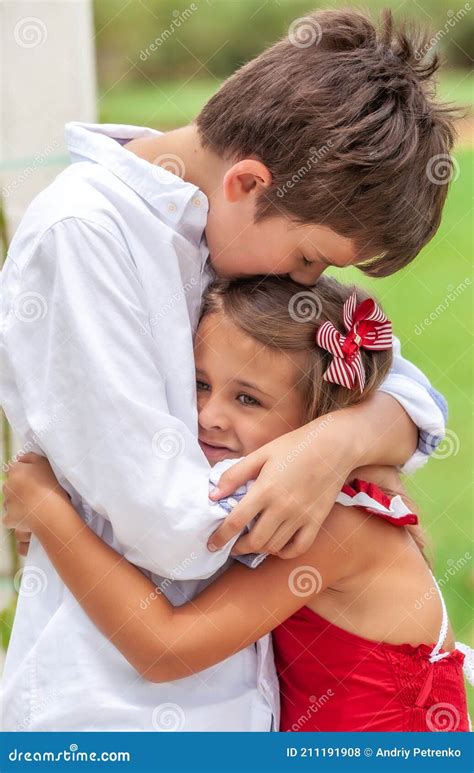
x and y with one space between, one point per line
102 291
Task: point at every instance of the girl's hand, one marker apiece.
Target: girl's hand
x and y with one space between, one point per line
23 539
28 490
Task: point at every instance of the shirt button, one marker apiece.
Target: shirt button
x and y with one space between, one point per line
197 202
172 207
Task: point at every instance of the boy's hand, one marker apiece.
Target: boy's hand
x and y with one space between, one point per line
29 486
298 477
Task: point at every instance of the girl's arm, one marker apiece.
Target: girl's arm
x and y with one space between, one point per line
163 642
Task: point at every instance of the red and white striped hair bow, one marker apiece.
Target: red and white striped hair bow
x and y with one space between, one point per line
367 327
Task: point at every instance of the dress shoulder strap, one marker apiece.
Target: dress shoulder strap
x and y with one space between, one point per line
368 496
443 632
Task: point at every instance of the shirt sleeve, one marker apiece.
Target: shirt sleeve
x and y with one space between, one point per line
94 400
426 407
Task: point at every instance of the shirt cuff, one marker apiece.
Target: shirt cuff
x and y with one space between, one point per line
227 504
427 408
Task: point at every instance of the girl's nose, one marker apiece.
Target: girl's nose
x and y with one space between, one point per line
212 414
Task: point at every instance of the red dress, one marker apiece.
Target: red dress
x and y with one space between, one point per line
333 680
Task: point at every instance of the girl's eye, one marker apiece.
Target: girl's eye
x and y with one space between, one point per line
247 400
201 385
307 262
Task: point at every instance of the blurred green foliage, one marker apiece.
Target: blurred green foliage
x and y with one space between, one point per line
215 37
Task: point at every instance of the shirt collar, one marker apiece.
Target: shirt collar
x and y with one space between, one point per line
164 191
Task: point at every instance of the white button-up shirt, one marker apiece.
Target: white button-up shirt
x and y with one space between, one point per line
101 295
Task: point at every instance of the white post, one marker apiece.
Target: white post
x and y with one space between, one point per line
47 77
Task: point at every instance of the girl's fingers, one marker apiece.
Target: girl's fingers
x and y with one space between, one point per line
29 458
22 535
22 548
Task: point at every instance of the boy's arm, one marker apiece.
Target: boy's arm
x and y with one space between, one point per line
80 354
426 407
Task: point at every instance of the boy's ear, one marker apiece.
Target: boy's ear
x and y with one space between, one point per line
245 177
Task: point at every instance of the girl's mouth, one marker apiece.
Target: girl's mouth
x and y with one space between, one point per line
215 453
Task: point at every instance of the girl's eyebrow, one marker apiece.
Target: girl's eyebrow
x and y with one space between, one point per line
248 385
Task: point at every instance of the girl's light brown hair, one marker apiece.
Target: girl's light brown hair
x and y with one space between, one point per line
282 315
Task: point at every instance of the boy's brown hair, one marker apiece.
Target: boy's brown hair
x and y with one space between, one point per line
343 114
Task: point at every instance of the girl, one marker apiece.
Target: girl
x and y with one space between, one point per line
353 648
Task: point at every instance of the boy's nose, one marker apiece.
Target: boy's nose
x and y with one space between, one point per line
309 276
